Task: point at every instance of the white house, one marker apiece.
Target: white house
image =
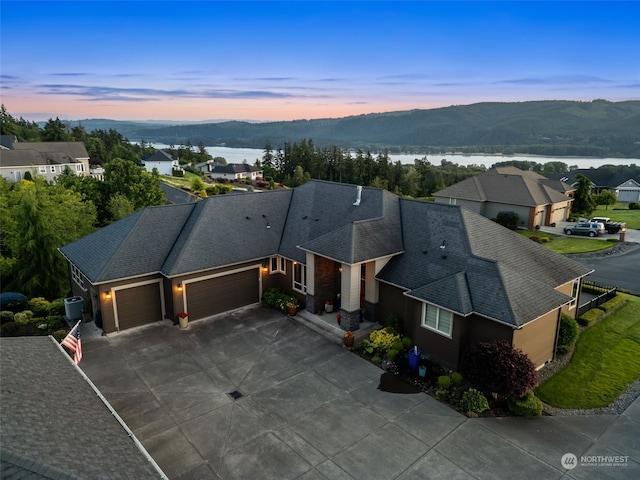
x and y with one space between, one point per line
232 171
163 162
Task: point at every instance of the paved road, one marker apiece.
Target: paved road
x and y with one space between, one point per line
622 270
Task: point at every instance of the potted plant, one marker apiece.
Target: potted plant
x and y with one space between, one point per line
349 338
183 318
292 307
328 306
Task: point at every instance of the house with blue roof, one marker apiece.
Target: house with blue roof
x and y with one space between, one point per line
451 276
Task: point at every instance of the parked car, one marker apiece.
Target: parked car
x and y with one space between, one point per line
591 229
609 226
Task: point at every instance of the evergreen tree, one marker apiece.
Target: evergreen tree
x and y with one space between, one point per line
582 201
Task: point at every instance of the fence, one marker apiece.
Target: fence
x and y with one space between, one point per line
602 294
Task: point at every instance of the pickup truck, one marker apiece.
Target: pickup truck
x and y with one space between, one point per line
609 226
585 228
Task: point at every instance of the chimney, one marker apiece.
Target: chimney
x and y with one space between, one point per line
358 196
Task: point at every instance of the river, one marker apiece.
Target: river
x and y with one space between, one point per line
239 155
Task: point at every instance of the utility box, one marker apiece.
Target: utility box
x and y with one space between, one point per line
73 307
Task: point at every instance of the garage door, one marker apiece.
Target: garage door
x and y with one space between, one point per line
221 294
138 305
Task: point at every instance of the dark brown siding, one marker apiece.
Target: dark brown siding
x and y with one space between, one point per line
220 294
138 305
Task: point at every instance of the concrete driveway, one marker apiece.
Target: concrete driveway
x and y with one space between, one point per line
311 410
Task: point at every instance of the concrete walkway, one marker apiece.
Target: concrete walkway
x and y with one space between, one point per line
256 395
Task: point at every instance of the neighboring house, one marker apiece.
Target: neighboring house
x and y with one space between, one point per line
232 171
536 199
450 275
43 159
7 141
163 162
55 425
626 189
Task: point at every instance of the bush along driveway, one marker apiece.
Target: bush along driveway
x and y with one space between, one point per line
605 363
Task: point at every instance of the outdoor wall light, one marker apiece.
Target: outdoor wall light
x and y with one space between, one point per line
107 295
179 287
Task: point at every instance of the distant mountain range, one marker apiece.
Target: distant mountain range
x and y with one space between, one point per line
597 128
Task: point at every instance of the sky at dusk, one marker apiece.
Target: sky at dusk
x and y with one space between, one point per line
207 60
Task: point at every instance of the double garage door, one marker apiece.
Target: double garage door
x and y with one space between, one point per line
223 293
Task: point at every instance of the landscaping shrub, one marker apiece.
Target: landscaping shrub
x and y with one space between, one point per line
384 339
456 379
474 401
545 240
39 306
6 316
591 317
9 329
527 406
497 367
23 318
634 206
13 301
612 305
508 219
568 334
392 354
59 335
535 239
56 307
278 299
444 382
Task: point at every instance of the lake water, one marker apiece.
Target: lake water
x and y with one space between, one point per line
238 155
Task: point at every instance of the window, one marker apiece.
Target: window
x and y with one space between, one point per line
80 167
437 319
574 293
300 277
77 277
277 265
42 169
453 201
53 169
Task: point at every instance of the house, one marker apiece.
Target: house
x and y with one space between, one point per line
43 159
162 161
536 200
453 277
230 172
626 188
55 424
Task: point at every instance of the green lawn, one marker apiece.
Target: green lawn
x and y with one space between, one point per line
605 362
631 217
560 244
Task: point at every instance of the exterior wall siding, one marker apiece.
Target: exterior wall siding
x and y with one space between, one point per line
538 338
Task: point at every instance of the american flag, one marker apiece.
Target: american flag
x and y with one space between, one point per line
73 343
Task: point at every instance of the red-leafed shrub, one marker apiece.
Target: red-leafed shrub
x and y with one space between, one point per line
497 367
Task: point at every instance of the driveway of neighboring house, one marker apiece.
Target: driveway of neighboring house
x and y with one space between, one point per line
311 410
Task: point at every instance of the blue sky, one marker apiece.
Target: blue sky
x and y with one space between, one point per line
291 60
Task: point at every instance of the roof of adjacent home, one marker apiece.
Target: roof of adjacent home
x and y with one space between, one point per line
600 177
73 149
509 185
159 156
234 168
54 426
441 254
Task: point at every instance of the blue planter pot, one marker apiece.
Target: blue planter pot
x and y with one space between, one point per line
414 359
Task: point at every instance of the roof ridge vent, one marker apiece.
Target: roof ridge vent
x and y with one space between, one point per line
358 195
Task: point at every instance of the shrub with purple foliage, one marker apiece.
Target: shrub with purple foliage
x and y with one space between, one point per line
497 367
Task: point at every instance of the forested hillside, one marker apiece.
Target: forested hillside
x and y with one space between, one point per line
555 128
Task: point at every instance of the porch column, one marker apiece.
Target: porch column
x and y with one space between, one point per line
311 269
350 297
371 291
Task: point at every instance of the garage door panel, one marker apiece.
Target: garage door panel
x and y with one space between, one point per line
221 294
138 306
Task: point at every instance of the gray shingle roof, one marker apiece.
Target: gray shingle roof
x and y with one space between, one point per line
229 229
234 168
28 157
53 423
73 149
159 156
483 268
323 219
508 185
600 177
